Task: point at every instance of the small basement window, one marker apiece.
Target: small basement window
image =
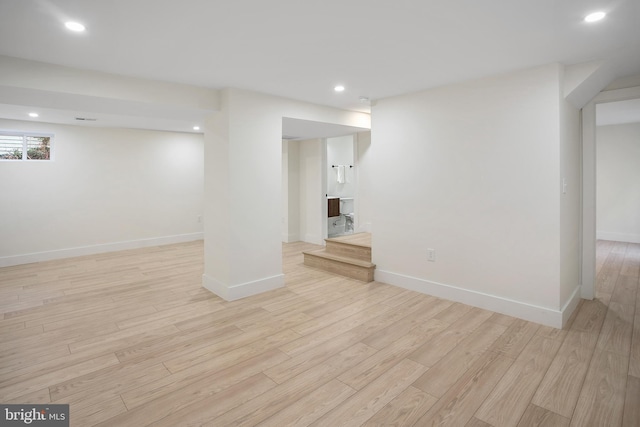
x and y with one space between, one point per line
25 146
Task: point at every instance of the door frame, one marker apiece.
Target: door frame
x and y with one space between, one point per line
589 153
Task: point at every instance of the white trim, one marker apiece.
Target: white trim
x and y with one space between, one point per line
243 290
288 238
589 183
314 238
618 237
571 305
521 310
9 261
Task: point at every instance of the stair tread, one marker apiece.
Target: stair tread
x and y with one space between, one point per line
358 245
362 240
347 260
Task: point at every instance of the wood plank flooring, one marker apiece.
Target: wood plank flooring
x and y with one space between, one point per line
132 339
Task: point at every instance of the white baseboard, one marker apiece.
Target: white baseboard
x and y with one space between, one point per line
97 249
313 238
618 237
288 238
243 290
532 313
571 305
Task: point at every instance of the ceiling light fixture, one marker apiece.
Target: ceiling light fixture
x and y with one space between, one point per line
34 115
196 128
594 17
74 26
339 88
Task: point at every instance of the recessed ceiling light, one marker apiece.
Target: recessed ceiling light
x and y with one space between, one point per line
594 17
33 115
339 88
74 26
196 128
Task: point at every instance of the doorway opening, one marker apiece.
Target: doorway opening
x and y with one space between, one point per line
589 179
309 150
341 185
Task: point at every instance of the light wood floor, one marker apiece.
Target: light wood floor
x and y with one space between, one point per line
131 339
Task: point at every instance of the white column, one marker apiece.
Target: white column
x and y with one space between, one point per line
243 252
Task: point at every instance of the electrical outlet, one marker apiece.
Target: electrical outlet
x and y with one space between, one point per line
199 218
431 255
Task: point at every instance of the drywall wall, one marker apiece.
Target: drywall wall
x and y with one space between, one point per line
285 191
472 171
365 190
61 93
618 182
293 192
340 152
42 76
310 191
569 182
624 82
290 192
243 183
106 189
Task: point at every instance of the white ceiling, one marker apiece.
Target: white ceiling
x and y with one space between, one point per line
301 50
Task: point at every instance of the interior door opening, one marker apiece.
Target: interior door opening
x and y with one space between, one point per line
589 179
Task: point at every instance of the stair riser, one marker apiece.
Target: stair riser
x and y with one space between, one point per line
364 274
352 251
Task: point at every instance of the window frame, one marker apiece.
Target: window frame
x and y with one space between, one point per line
25 135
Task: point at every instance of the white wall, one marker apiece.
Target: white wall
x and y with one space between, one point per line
59 93
243 184
618 182
285 191
311 194
290 192
293 190
570 204
42 76
340 152
472 171
624 82
365 176
106 189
